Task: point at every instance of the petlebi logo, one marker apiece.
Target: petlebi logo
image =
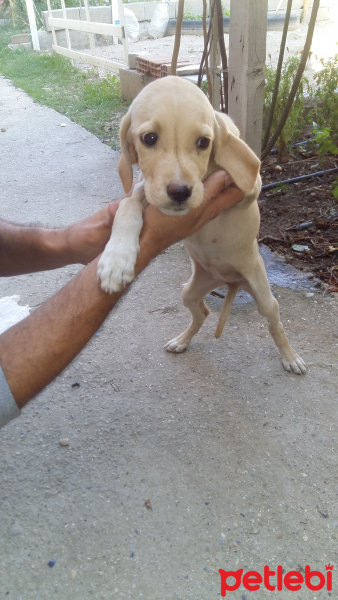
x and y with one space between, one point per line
276 579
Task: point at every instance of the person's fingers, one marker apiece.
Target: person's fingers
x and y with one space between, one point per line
112 208
215 184
225 199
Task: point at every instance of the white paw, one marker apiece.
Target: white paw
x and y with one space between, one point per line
296 366
115 271
176 345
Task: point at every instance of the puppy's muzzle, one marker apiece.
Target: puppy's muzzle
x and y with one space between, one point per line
179 193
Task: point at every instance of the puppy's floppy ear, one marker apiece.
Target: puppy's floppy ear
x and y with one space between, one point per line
234 156
129 155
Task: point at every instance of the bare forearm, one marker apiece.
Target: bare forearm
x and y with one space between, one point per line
36 350
31 249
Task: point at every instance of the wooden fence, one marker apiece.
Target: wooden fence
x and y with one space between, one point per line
115 30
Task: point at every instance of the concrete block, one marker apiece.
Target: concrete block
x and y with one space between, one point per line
78 39
21 46
132 83
98 14
138 8
21 38
149 8
195 7
132 58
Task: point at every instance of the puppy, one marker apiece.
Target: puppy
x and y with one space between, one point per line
177 139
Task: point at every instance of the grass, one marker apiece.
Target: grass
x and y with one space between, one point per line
52 80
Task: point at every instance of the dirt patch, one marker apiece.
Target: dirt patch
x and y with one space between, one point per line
300 220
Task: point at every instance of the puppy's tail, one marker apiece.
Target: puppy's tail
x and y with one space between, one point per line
226 307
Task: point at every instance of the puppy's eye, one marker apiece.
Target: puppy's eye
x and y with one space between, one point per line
149 139
203 143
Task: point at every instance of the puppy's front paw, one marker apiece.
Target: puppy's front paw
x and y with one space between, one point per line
295 365
115 271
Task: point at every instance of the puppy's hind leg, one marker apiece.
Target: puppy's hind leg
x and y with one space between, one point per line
259 288
199 284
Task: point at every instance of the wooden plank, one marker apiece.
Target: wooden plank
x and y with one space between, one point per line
247 54
87 26
124 37
215 59
64 14
50 16
32 25
115 17
305 10
91 35
104 63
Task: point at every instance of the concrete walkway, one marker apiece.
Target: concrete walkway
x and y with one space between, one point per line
178 465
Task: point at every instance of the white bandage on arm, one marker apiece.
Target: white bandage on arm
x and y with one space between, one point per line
9 410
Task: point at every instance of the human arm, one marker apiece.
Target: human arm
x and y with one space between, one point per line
31 249
36 350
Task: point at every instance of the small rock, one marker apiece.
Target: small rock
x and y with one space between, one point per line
52 562
64 442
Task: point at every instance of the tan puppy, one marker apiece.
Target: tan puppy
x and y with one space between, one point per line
177 139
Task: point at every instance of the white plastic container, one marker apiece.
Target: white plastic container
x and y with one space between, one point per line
132 25
11 312
159 20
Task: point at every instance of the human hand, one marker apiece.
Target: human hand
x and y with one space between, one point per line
161 231
86 239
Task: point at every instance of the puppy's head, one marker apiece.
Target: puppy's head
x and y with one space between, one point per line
177 139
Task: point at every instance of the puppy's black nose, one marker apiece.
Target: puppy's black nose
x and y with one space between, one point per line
179 193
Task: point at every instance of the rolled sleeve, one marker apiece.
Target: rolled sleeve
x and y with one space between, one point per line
8 408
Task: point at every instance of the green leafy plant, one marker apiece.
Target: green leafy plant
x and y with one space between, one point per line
325 97
335 188
326 144
281 188
296 120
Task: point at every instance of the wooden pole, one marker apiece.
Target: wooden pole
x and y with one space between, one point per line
32 25
91 35
247 54
305 10
215 59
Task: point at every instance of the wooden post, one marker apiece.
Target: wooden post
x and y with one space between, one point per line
52 28
215 63
305 10
91 35
64 15
32 25
247 54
